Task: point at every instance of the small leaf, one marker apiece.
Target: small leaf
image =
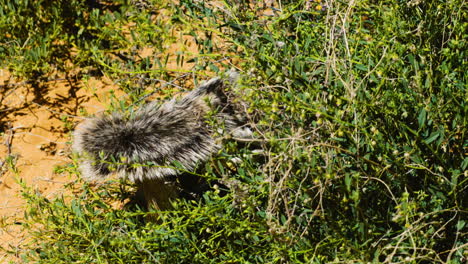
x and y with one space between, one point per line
432 137
464 163
422 118
361 67
221 167
348 182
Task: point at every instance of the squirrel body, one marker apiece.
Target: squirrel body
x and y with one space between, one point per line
150 143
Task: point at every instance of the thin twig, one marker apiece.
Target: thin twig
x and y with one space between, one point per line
9 139
8 145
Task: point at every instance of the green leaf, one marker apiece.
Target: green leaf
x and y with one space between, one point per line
422 118
361 67
221 167
348 182
432 137
464 164
460 225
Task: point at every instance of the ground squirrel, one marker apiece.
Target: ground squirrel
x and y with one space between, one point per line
151 145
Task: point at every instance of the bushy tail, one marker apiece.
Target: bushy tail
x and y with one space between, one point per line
155 139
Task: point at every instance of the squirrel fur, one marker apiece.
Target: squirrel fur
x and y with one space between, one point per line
150 142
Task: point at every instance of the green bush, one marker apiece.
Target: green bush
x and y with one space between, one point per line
361 112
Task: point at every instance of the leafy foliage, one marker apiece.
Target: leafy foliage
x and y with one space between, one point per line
360 109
